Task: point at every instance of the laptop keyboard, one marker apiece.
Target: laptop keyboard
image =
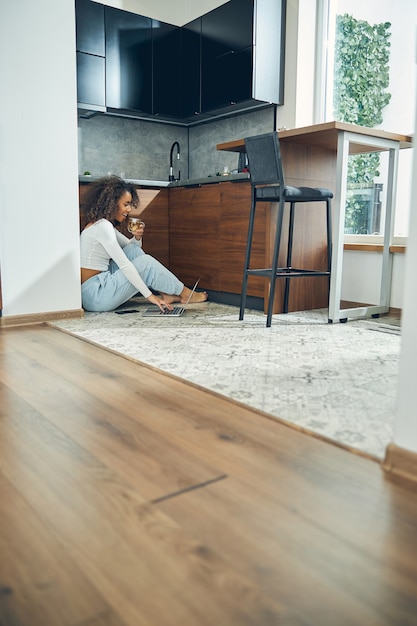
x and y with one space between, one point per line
177 310
155 312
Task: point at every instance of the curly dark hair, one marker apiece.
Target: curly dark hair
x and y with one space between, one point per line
102 196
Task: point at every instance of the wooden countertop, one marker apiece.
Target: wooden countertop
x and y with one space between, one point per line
325 135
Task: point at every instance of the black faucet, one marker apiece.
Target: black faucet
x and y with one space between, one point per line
171 167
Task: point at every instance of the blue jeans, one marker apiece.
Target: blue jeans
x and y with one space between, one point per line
108 290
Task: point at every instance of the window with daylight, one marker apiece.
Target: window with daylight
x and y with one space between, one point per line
370 76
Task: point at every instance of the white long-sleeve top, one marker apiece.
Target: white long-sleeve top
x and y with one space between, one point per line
101 242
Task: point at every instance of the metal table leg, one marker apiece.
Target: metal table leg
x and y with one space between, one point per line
345 140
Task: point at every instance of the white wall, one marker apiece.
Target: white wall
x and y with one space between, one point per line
405 431
39 236
286 114
360 286
305 69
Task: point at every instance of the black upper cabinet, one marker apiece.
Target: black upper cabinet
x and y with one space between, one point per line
91 85
242 49
227 37
90 39
225 61
227 28
166 47
128 61
191 69
90 27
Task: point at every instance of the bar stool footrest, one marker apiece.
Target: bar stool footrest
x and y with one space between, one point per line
286 273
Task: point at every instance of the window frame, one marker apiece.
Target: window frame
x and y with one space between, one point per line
326 11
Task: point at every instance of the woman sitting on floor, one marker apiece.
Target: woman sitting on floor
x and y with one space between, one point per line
115 268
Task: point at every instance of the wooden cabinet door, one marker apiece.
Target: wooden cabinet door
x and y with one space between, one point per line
194 219
208 232
234 222
153 209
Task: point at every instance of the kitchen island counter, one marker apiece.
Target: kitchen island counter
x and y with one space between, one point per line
317 156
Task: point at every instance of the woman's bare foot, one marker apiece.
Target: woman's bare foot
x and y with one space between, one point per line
170 299
198 296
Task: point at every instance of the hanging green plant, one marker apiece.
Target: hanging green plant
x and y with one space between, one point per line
361 71
361 79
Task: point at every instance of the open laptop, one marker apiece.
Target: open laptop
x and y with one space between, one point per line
177 311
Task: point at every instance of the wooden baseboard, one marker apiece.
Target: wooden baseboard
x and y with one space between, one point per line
374 247
394 312
39 318
400 462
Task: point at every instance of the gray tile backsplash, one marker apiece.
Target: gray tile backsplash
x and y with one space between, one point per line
204 159
140 149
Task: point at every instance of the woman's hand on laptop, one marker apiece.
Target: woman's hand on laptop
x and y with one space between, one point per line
160 302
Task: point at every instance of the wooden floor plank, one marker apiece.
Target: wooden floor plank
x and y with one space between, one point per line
40 583
117 421
140 559
177 506
324 562
218 432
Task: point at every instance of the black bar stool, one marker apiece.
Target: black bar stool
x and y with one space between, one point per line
268 185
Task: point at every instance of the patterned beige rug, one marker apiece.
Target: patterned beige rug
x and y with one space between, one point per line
335 380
